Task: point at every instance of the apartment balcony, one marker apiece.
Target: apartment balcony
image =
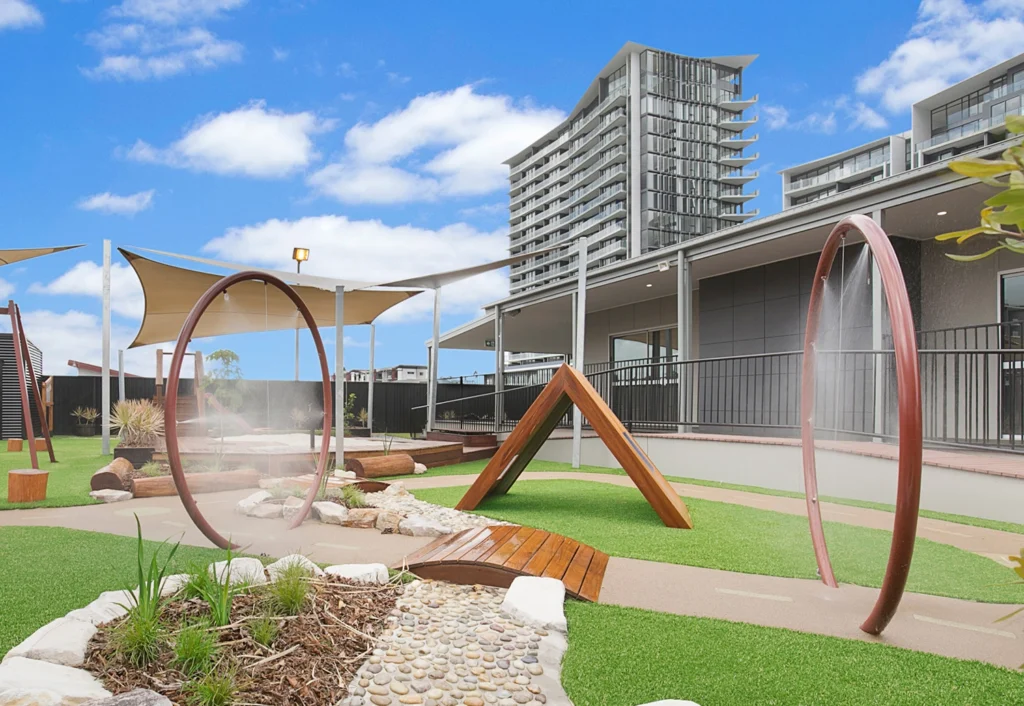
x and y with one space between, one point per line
738 103
858 172
965 133
737 124
738 143
739 160
740 198
739 179
740 217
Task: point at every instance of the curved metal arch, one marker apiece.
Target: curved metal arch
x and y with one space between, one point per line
171 400
908 386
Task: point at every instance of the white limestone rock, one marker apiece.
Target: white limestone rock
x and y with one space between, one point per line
25 682
61 641
396 489
330 513
108 495
360 573
110 605
172 584
278 567
268 483
244 570
418 469
135 697
291 507
248 504
422 526
537 601
266 511
342 473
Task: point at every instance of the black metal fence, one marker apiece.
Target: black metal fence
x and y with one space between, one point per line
969 398
277 404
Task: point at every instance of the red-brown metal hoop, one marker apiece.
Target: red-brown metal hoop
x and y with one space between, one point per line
908 387
171 400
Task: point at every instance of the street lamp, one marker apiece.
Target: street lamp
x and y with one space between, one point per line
300 255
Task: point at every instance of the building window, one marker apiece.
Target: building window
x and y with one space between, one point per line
1011 310
658 346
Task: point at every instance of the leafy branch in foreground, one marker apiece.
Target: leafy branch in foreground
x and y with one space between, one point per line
1002 219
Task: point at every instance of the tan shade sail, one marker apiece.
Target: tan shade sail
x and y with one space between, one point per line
171 292
9 257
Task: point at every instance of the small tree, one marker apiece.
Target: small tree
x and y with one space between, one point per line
222 378
1002 219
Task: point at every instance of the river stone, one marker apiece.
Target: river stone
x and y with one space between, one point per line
536 601
25 682
422 526
61 641
330 513
245 506
108 495
278 567
244 570
135 697
360 573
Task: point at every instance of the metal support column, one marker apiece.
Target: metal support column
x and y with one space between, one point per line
120 377
105 390
579 336
373 374
499 367
339 379
684 333
435 342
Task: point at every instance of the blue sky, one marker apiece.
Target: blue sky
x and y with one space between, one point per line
374 133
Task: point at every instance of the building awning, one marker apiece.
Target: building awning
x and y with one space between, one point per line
171 292
9 257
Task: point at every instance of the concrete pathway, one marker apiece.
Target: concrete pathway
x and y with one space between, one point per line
994 544
944 626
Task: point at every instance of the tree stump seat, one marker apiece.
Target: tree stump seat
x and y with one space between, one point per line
26 485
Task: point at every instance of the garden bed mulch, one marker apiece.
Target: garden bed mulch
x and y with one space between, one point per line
311 661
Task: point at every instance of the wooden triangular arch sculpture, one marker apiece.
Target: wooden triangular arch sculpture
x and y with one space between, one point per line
567 387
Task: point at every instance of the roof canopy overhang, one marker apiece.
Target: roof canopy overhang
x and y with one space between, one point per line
171 293
9 257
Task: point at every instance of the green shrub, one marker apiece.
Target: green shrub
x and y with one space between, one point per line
152 469
194 649
146 601
137 639
263 630
288 593
214 689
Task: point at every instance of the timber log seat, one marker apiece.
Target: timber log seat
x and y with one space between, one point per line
496 555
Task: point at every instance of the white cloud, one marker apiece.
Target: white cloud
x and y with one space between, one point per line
487 209
856 114
120 205
346 70
251 141
86 279
174 11
950 41
157 39
6 290
279 54
398 78
372 251
442 144
136 53
16 14
77 335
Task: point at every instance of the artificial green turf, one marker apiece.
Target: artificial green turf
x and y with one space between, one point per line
619 521
49 571
68 483
624 656
474 467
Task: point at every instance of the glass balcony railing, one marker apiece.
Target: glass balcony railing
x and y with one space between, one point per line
836 175
971 128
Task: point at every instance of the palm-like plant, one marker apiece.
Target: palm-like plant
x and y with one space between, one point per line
139 423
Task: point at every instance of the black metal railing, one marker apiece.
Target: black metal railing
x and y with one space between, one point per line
970 398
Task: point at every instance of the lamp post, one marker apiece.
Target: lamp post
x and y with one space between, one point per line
300 255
